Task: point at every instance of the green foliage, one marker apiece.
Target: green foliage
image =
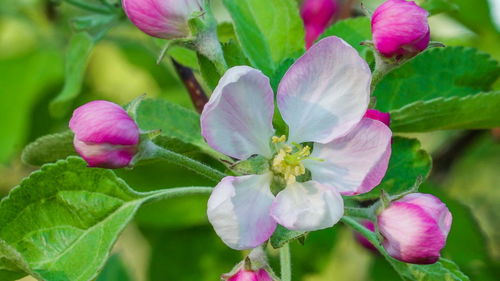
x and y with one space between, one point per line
176 213
437 73
77 57
470 112
282 236
49 148
438 6
64 219
191 254
442 270
353 31
208 71
234 54
180 127
269 31
25 79
408 163
475 15
114 270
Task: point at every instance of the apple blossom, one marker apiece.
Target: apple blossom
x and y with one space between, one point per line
322 98
415 228
105 135
317 15
251 275
167 19
400 28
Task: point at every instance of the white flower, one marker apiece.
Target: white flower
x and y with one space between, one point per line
322 98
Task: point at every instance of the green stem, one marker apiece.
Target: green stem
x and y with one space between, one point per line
175 192
89 7
285 263
207 42
372 237
186 162
364 213
381 69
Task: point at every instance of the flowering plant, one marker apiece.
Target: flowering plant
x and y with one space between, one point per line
269 127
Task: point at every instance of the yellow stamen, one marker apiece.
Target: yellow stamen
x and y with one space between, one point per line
289 164
276 139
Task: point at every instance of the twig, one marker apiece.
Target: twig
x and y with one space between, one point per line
198 96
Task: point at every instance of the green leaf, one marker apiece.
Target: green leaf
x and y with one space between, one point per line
180 127
114 270
280 72
353 31
209 72
269 31
479 111
192 254
439 6
234 54
49 149
439 72
442 270
64 219
476 15
77 57
225 32
184 56
281 236
92 21
25 80
408 162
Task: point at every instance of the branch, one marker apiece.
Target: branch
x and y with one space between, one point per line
196 93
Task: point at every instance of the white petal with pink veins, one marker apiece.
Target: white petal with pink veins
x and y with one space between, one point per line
308 206
239 210
325 93
237 120
355 163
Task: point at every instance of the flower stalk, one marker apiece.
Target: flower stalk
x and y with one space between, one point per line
152 151
285 263
162 194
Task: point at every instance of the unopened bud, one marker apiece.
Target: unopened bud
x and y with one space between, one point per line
105 135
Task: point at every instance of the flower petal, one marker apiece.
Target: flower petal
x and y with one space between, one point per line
355 163
325 92
104 122
308 206
239 210
237 120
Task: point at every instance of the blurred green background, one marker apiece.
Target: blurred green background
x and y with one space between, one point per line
173 240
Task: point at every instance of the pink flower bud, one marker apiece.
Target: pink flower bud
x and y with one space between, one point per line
105 135
400 28
378 115
415 228
362 240
317 15
166 19
250 275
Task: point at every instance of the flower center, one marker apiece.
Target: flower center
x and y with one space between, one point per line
288 160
